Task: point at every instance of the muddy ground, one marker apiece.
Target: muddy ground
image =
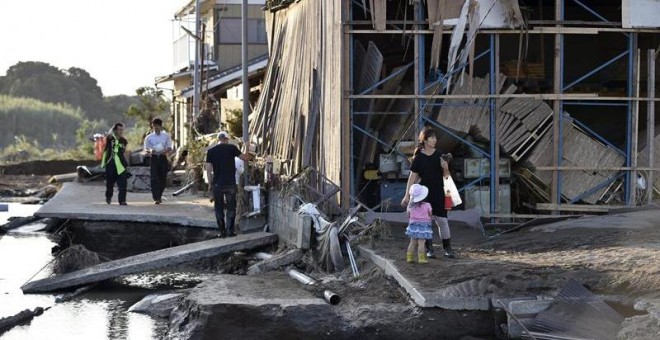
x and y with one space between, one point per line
619 259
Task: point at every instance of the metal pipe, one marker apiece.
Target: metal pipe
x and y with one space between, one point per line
196 79
245 80
329 296
351 259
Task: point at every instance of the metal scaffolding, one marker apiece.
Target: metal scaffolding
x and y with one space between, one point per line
356 25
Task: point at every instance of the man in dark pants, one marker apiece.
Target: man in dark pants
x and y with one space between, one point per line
221 170
115 164
158 145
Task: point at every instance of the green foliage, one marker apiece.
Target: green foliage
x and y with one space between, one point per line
49 125
47 83
151 104
117 107
235 122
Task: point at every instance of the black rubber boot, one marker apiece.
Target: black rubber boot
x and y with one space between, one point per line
446 245
429 248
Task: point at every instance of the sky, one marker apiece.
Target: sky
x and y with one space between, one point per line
123 44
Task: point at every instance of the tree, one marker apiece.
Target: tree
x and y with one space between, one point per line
47 83
151 104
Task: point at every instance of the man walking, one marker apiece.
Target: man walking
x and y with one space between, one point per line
220 170
158 145
115 164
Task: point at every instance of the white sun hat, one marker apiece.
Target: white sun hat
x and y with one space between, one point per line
418 192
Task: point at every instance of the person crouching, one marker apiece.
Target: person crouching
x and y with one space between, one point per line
419 226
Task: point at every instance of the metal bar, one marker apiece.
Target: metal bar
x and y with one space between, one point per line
462 140
540 96
650 122
536 30
419 68
579 3
560 141
246 82
456 70
381 113
373 87
387 146
594 168
597 136
556 106
595 188
492 88
628 187
592 72
347 168
593 104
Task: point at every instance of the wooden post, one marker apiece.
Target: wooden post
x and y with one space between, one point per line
650 122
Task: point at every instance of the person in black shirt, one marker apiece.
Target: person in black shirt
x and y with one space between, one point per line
221 170
428 168
115 164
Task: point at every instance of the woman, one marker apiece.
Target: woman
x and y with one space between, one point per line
428 169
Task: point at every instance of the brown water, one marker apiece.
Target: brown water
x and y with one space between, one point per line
97 314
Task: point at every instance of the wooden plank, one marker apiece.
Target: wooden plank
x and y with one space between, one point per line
151 260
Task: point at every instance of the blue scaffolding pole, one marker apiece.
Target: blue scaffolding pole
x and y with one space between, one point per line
628 188
493 128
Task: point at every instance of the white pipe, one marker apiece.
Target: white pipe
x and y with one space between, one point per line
262 256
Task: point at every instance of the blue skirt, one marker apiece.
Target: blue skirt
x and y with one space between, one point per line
419 230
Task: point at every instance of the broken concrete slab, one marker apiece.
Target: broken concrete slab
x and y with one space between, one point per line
147 261
525 311
276 261
160 305
86 201
275 302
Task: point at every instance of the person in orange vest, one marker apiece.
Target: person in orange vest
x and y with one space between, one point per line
115 164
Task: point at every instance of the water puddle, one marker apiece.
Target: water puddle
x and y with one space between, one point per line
97 314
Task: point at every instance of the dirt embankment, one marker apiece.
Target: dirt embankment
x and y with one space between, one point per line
44 168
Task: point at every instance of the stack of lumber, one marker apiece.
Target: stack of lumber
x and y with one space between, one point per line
520 121
579 150
297 117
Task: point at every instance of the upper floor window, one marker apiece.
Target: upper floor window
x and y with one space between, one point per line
230 31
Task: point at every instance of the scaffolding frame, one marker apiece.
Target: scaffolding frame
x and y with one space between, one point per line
559 97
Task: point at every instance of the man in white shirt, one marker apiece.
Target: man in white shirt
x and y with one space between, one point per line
158 145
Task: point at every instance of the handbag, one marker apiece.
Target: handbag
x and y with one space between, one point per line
450 187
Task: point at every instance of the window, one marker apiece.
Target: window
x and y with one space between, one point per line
230 31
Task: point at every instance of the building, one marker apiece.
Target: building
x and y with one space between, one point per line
559 95
220 63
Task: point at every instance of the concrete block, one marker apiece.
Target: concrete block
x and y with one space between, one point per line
304 228
525 311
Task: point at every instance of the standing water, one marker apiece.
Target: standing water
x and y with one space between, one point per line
93 315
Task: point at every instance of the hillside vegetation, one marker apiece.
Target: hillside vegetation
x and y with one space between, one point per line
47 124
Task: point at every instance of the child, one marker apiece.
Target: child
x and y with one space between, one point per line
419 226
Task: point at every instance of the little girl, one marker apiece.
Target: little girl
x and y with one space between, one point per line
419 225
